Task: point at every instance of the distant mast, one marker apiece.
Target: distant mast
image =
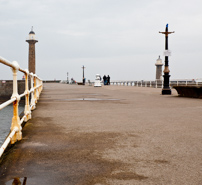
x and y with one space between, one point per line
83 79
32 40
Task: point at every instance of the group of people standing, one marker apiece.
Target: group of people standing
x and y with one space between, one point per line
106 80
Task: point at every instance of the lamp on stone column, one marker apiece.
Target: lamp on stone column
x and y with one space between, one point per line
166 83
32 40
159 65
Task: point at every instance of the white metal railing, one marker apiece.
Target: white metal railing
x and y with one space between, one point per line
156 83
35 91
141 83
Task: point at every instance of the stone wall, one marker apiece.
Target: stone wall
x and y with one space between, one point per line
6 88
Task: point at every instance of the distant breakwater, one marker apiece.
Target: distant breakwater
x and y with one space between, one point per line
6 88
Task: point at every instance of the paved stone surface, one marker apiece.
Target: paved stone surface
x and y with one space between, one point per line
110 135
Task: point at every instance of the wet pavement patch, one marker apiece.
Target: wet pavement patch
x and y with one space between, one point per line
77 159
161 161
91 99
57 156
79 99
128 176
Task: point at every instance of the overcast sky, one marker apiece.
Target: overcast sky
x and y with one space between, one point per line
119 38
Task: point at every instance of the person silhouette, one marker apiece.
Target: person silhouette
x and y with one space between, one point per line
105 80
108 80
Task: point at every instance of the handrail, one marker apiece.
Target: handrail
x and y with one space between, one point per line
7 141
3 105
36 87
156 83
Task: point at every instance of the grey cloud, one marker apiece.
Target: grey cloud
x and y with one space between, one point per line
108 36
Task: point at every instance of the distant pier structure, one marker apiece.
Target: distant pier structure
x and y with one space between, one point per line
159 65
32 40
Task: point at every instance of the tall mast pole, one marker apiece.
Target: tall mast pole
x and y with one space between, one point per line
83 75
166 83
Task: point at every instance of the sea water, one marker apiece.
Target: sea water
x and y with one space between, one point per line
6 115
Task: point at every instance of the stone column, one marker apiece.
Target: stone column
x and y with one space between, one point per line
32 64
159 65
31 40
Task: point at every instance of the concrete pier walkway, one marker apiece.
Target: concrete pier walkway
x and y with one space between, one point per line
113 135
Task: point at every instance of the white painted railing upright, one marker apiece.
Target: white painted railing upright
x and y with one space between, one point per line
27 110
16 119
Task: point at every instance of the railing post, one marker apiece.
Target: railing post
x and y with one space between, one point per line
35 90
15 120
41 88
39 83
27 110
156 83
32 92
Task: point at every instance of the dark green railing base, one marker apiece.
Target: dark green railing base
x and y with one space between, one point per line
166 92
